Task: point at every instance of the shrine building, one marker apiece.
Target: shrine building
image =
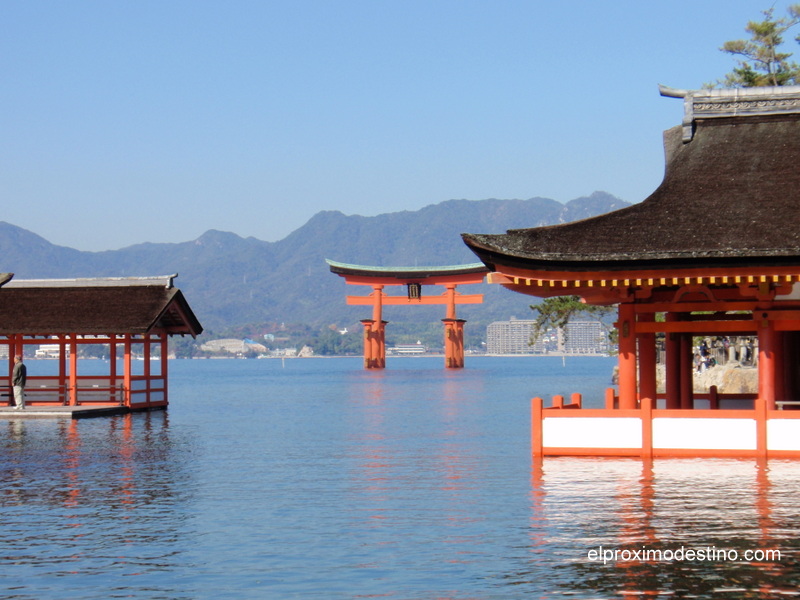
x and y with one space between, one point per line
132 318
713 251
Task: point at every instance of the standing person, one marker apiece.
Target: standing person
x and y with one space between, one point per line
19 377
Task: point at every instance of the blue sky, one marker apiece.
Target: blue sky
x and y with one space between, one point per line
153 121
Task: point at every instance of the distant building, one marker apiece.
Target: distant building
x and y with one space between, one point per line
233 346
49 351
585 337
510 337
408 349
514 337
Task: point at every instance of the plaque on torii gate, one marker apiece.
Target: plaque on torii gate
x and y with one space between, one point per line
413 278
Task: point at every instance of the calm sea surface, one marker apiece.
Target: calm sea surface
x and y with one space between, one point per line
312 478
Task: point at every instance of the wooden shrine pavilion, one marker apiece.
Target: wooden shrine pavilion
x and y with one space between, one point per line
413 278
131 317
715 249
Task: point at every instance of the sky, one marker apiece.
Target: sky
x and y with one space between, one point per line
138 121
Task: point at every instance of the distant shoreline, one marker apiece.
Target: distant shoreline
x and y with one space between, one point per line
412 356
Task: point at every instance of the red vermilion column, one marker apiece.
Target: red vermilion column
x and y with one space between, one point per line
367 323
147 351
378 330
449 334
18 348
672 379
453 343
460 342
112 366
73 369
453 332
766 362
450 292
379 344
165 364
126 369
62 369
647 361
377 303
627 355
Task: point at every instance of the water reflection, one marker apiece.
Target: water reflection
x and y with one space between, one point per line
328 482
667 528
92 497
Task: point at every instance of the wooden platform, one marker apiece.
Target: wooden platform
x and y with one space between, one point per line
64 412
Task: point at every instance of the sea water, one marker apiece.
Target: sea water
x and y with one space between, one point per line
313 478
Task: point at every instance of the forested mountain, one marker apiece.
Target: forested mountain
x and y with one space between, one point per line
232 281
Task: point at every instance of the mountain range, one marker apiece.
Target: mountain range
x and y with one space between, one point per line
232 281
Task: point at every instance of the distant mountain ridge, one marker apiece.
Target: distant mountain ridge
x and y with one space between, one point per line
232 281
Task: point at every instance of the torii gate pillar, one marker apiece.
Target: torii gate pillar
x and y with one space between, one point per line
374 344
454 343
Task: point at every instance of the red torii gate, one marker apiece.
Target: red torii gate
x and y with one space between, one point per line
413 278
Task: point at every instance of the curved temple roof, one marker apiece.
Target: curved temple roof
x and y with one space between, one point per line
98 306
405 272
730 195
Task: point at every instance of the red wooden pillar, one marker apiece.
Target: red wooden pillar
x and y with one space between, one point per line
379 344
450 294
627 355
374 344
460 342
454 343
672 380
73 369
375 333
126 369
62 369
367 323
112 367
767 363
453 331
18 349
165 365
647 361
147 351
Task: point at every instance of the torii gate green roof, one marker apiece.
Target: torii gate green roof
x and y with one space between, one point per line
405 272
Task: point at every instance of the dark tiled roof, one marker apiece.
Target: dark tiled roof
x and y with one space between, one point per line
95 310
731 195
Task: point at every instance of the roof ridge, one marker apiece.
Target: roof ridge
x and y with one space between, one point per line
733 102
155 280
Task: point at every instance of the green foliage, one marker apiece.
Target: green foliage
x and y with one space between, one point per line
556 312
185 347
760 61
330 342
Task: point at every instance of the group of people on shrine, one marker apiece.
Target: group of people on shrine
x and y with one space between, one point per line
723 350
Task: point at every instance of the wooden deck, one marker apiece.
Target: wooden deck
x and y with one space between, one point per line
64 412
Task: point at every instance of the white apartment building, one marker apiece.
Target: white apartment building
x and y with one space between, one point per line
514 337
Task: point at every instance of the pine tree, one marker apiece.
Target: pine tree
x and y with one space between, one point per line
761 63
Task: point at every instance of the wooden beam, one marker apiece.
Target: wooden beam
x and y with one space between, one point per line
687 307
403 300
729 327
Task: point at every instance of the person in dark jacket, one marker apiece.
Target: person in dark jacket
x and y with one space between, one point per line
19 377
